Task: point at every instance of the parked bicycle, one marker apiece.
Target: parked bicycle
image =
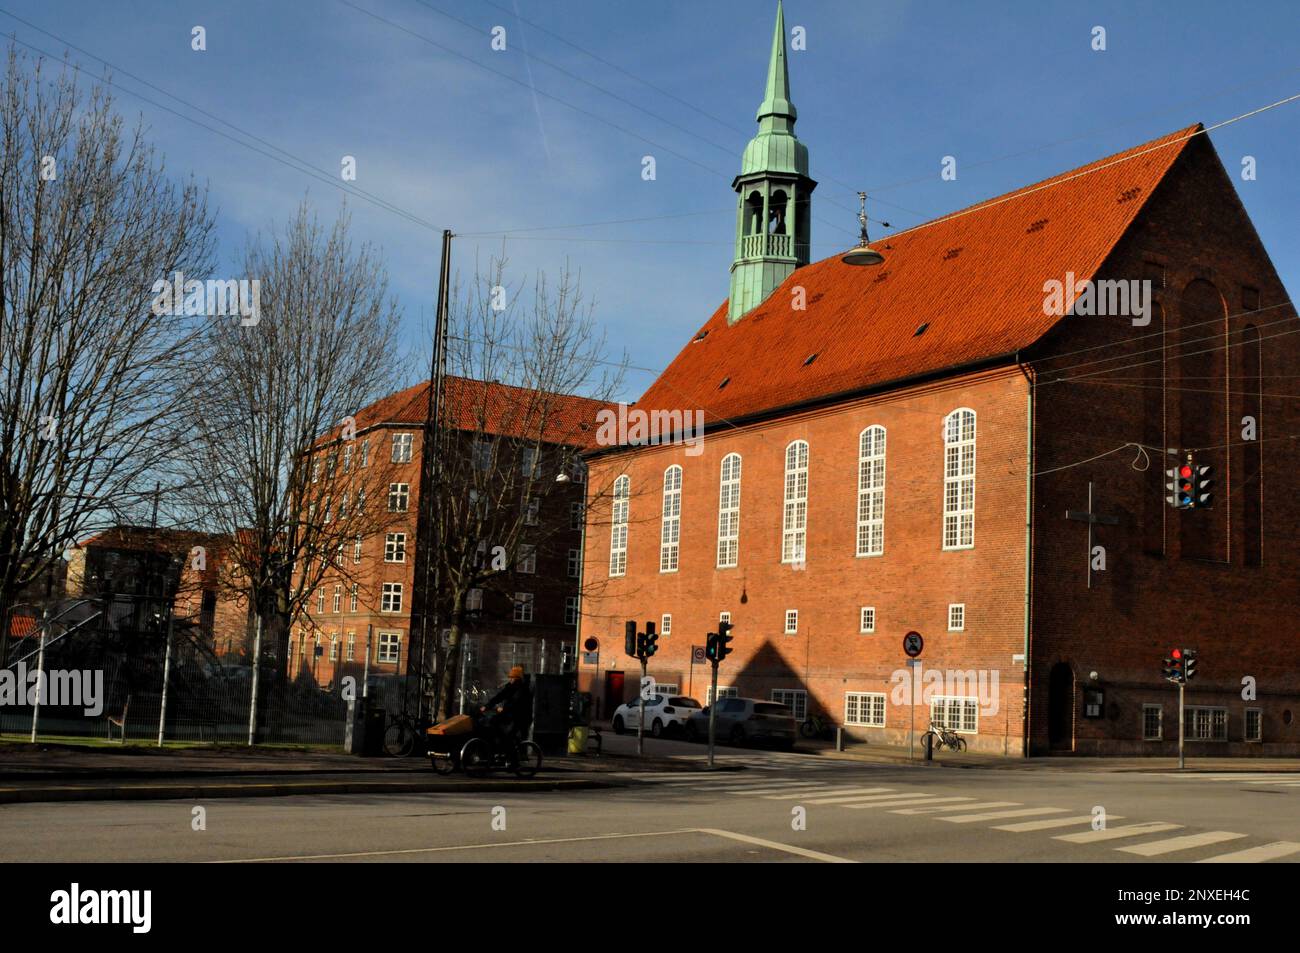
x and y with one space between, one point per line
815 726
940 737
401 733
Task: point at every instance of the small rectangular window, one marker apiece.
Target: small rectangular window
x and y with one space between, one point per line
352 647
1152 722
531 510
791 621
796 698
570 610
957 617
391 597
355 599
866 709
575 516
527 558
956 713
1249 298
1254 724
389 648
395 547
401 448
399 496
523 607
575 563
867 621
666 625
724 616
338 597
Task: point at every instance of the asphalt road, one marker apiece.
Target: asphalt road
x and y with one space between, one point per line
780 808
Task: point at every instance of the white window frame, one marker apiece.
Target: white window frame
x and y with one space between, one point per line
532 512
1215 716
356 550
666 624
791 621
527 562
724 691
474 600
867 620
575 516
864 709
529 463
334 647
871 491
388 647
1160 722
620 506
338 597
957 614
347 457
670 533
574 564
523 607
794 518
394 547
390 599
570 610
365 453
796 698
724 616
350 653
1259 725
959 446
965 720
402 443
320 600
729 512
482 455
355 597
399 493
667 688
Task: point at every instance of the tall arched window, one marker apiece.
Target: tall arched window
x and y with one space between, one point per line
959 479
729 512
794 526
871 492
670 533
618 526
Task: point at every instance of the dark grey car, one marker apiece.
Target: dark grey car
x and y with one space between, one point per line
744 721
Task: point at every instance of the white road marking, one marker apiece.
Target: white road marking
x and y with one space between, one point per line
774 845
927 799
1051 822
998 815
1155 848
833 791
957 807
1255 855
857 798
1115 833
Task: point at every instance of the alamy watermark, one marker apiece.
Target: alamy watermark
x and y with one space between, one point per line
211 298
58 688
1129 298
924 685
633 427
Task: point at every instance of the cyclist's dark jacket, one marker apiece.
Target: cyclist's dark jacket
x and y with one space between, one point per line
517 703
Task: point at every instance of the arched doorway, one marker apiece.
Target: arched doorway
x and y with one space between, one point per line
1060 707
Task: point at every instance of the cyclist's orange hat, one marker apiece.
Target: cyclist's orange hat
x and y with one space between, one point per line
517 672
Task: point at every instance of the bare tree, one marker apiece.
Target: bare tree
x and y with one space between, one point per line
510 426
274 462
89 366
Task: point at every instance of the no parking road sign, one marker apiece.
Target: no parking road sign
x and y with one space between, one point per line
912 644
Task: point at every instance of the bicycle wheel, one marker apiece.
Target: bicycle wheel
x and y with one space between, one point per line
529 757
442 763
960 744
399 739
808 728
932 739
476 757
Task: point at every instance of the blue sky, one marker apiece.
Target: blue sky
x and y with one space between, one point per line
478 141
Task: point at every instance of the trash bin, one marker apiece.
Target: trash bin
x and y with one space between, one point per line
578 739
372 743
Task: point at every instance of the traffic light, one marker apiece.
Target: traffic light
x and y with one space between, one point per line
1189 664
1171 484
711 646
1201 485
1174 670
651 640
724 636
629 639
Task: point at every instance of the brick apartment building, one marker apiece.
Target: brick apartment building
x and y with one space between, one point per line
528 616
894 449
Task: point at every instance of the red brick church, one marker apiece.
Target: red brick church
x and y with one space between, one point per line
895 448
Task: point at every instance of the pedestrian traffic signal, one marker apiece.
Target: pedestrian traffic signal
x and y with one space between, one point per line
629 639
1189 664
651 640
711 647
724 636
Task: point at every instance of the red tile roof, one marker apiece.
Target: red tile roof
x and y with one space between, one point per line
493 408
974 279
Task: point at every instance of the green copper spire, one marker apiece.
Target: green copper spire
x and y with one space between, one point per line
774 210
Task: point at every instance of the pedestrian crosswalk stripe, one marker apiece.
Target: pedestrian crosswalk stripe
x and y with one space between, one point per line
957 807
998 815
1115 833
1239 776
769 787
923 799
827 793
1255 855
1049 823
1169 846
859 798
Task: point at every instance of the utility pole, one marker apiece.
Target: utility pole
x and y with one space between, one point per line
1182 720
40 672
257 658
167 671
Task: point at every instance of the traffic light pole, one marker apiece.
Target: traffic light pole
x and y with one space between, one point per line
640 721
713 710
1181 722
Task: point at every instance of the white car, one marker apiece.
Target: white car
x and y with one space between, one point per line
664 714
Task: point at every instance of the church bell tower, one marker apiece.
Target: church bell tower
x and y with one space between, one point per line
774 206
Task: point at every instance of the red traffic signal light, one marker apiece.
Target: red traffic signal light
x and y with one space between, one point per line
1176 654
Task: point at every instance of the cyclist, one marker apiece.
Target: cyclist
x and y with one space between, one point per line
511 712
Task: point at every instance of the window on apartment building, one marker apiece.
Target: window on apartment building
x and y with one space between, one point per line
315 470
334 647
575 563
867 620
794 525
389 648
390 599
474 600
532 509
724 616
365 453
796 698
528 463
575 516
311 514
338 597
959 479
871 492
352 647
356 549
570 610
1152 722
956 713
729 512
666 624
320 600
1249 298
347 458
864 709
361 502
1207 724
523 607
527 558
343 505
724 691
402 447
355 597
1254 724
399 495
331 465
956 617
482 455
618 527
338 555
394 547
791 621
671 531
329 510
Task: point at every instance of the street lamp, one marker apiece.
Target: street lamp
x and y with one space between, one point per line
563 477
864 254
